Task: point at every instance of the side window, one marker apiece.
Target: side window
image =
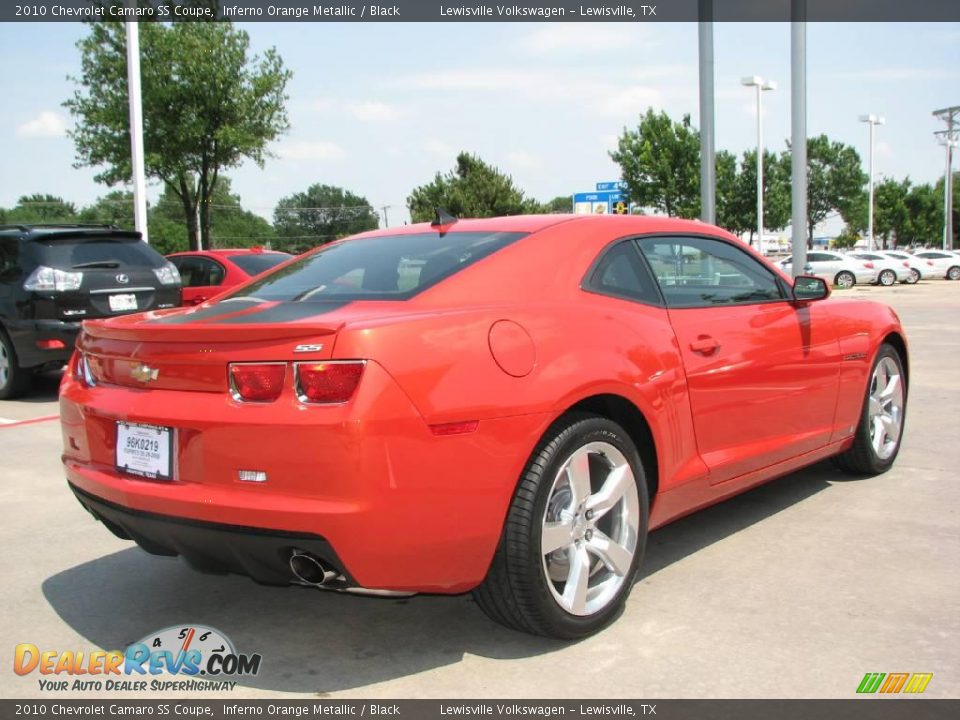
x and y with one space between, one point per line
9 259
191 270
701 272
620 273
215 272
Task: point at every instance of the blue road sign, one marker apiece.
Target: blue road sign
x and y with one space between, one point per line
611 186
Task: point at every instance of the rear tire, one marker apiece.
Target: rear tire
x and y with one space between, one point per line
953 273
880 430
574 535
845 279
887 278
14 380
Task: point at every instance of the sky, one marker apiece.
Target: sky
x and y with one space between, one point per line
380 108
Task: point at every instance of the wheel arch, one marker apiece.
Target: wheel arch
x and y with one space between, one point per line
628 416
895 339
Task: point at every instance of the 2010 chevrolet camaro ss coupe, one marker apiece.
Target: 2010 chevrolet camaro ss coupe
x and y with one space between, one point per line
506 406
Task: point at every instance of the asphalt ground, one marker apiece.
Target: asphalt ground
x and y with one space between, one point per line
793 590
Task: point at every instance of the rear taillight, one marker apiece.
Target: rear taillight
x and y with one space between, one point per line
81 370
257 382
51 344
328 382
868 265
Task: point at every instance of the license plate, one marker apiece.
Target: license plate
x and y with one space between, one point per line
145 450
122 302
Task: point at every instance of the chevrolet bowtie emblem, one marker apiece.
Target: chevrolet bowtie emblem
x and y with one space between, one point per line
143 373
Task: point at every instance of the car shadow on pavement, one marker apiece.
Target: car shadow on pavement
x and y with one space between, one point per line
45 387
313 641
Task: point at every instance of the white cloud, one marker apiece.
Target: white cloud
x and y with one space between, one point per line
883 149
372 111
480 79
440 149
45 125
902 74
311 151
631 101
581 38
521 160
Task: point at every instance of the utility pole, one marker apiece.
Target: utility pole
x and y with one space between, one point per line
136 129
950 139
798 132
762 86
708 166
384 208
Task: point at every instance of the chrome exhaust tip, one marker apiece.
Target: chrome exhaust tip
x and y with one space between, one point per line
310 570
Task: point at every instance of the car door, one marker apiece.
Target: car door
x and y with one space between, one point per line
202 277
762 371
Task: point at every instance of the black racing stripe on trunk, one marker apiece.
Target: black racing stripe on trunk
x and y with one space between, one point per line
221 308
285 312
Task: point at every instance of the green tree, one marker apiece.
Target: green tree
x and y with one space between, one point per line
42 208
321 214
835 181
742 203
730 213
230 225
559 204
472 189
924 205
114 208
660 163
208 105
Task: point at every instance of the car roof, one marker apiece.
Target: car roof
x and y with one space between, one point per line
227 252
37 231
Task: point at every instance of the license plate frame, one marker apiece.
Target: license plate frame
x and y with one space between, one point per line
122 302
145 450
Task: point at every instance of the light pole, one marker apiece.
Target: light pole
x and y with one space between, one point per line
761 85
949 144
872 121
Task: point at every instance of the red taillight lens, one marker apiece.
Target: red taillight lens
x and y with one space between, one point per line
328 382
257 382
868 265
50 344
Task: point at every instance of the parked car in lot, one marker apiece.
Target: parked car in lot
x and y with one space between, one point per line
889 270
206 273
942 263
915 267
840 270
505 405
54 276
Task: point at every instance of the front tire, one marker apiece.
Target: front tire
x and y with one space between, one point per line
877 439
913 277
14 380
574 535
887 278
953 273
845 279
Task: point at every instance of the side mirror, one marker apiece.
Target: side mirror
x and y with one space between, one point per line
807 288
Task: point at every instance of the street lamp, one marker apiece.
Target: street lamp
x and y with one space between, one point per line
949 145
871 120
761 85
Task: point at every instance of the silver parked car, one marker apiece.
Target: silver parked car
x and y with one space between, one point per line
914 265
890 271
942 263
840 270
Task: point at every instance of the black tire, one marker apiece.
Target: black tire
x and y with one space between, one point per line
14 380
517 592
953 273
887 278
862 458
845 279
913 277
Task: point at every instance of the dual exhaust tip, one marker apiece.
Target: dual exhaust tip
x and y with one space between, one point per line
310 570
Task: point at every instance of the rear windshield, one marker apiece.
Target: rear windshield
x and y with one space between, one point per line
93 252
256 264
388 267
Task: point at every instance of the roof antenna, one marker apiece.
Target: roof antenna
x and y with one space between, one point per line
441 219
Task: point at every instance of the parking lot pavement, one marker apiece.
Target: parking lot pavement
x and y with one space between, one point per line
795 589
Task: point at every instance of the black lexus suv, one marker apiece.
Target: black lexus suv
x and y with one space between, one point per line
52 277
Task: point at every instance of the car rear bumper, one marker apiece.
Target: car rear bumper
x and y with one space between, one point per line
25 334
401 508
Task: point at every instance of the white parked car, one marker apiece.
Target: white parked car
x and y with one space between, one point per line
840 270
889 271
941 263
916 266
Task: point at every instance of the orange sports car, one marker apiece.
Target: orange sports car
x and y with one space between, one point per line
506 406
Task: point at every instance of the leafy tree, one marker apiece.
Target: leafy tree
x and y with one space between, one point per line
847 238
660 163
114 208
230 225
319 215
924 205
208 105
472 189
739 194
731 213
835 181
42 208
559 204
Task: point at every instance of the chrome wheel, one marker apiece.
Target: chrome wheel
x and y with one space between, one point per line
953 273
885 409
4 365
589 528
845 280
887 278
913 277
